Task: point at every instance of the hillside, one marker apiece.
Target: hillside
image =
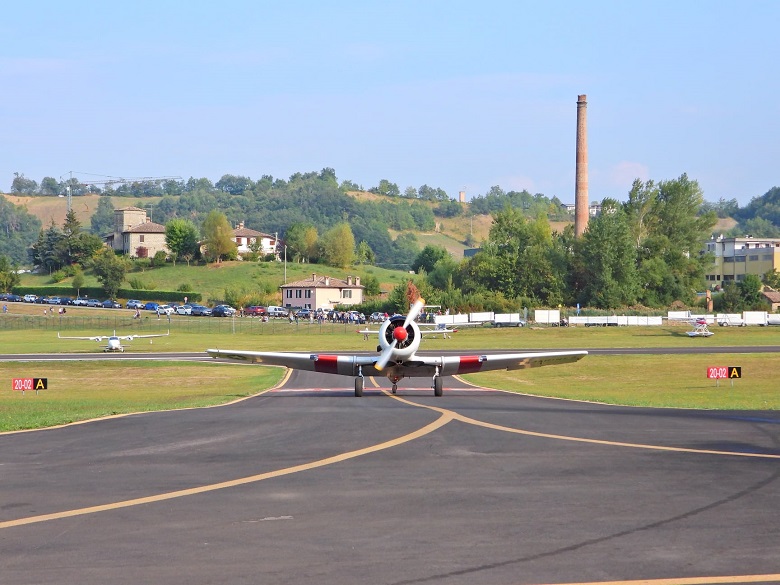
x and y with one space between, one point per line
54 208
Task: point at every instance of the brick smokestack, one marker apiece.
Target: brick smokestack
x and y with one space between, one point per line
581 181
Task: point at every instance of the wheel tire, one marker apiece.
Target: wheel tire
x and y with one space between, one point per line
438 386
358 387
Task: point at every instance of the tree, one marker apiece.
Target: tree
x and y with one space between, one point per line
750 291
23 186
102 221
429 256
181 237
50 186
18 231
387 188
9 278
217 236
364 254
608 259
46 251
301 240
338 246
110 270
78 280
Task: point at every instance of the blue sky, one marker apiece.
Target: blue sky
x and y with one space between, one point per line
449 94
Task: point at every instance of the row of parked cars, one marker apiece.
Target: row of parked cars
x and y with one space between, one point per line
186 309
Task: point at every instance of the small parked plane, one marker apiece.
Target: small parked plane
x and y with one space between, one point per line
114 341
399 340
700 328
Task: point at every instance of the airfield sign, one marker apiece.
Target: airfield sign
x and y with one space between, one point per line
24 384
724 372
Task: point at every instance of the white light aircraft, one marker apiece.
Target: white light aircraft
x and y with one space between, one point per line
114 341
399 340
700 328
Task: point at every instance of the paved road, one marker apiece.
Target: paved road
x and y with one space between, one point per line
309 485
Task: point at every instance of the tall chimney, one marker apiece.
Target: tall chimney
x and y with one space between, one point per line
581 181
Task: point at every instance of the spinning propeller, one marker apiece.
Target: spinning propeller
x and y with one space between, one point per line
400 334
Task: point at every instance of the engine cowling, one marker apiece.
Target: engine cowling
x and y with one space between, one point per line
407 339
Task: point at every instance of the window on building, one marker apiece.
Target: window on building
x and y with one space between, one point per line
141 238
289 293
753 257
346 294
298 293
308 293
728 258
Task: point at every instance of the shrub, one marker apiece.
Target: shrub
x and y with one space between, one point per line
159 259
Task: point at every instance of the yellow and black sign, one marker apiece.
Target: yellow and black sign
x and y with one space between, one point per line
735 372
40 383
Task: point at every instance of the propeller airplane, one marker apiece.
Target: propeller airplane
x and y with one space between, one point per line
399 340
114 341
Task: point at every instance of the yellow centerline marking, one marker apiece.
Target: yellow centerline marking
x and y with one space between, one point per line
429 428
687 581
479 423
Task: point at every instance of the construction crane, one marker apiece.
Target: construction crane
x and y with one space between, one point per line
107 181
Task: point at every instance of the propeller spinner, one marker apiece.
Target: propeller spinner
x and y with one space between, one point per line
400 334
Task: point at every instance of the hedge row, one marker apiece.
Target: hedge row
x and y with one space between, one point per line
97 292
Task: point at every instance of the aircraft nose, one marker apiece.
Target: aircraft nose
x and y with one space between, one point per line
400 334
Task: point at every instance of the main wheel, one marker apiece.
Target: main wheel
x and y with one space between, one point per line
438 386
395 388
359 387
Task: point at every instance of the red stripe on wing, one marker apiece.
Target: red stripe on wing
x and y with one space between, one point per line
469 364
327 364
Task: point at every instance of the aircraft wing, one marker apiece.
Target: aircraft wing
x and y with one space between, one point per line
131 337
97 338
469 364
346 365
423 331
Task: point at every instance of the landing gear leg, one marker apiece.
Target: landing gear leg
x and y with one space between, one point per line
359 383
438 386
395 387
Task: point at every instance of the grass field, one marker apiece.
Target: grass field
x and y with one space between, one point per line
79 391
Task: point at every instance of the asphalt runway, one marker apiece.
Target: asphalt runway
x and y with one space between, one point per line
307 484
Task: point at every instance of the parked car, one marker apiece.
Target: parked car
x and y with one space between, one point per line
165 309
94 303
357 317
223 311
255 311
134 304
13 298
377 317
30 298
111 304
150 306
53 300
66 301
274 311
200 311
183 309
80 301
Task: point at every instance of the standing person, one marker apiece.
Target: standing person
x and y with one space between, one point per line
5 308
158 313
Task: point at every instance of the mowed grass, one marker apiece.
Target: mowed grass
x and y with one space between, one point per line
86 390
678 381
